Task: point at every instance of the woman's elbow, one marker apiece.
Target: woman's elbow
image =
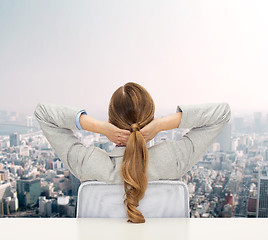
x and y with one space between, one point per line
227 112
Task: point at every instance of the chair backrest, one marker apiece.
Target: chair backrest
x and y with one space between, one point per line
162 199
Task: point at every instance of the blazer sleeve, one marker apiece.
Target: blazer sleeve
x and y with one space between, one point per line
57 123
205 122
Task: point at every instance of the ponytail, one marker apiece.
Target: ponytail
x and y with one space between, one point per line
134 173
131 107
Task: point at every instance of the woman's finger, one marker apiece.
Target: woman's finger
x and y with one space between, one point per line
125 132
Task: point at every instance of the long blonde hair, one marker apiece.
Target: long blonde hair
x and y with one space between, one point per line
132 107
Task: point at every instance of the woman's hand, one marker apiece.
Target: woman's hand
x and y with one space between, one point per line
120 136
151 129
115 134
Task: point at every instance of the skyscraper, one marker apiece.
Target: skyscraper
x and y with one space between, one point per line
30 123
29 190
239 124
224 139
262 198
75 184
14 139
257 124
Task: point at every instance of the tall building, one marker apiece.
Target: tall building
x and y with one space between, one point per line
30 123
266 155
45 206
251 209
262 198
257 124
14 139
75 184
239 124
63 202
224 139
29 190
8 199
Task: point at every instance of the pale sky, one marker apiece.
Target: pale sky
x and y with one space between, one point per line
183 52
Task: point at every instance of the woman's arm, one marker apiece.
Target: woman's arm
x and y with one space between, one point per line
57 123
113 133
91 124
170 122
205 121
160 124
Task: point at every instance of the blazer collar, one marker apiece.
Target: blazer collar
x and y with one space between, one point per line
117 151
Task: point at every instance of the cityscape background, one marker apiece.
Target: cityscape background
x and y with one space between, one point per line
78 53
230 180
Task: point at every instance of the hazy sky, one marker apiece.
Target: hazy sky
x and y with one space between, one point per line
183 52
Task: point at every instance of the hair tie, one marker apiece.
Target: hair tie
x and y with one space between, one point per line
134 127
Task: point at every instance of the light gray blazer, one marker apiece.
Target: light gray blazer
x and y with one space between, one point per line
167 159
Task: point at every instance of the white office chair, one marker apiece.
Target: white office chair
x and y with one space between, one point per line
162 199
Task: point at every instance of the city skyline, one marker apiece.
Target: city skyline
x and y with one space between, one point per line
223 183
